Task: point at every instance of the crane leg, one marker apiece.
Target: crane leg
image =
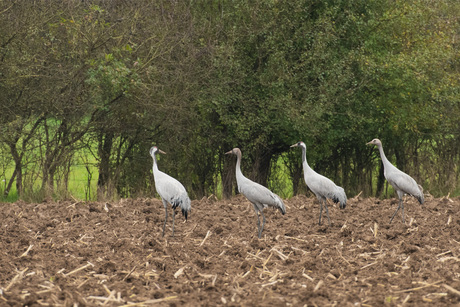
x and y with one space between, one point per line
258 219
258 222
263 224
174 216
402 209
166 216
400 202
320 210
327 212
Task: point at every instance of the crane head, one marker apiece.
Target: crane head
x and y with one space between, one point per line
374 142
299 144
234 151
154 150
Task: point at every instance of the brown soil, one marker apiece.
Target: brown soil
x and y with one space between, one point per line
91 254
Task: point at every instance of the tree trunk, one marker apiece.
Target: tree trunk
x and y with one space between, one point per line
10 184
228 176
261 167
380 181
17 169
47 181
296 179
105 149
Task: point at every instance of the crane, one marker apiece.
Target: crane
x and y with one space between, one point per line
170 190
257 194
323 187
400 181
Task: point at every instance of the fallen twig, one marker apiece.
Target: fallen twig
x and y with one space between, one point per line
280 254
255 256
130 272
442 254
341 256
454 291
356 197
81 285
368 265
179 272
443 259
106 289
27 251
296 239
15 279
214 278
207 235
318 285
266 261
79 269
150 301
103 298
406 299
419 288
306 276
270 283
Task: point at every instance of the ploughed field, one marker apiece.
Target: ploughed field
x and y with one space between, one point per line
113 254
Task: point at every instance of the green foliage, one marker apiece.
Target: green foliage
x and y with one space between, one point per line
107 81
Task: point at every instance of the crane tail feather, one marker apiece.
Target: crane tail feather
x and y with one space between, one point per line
283 210
185 213
340 197
184 203
280 204
420 199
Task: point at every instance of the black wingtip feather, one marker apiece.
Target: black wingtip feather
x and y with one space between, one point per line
337 200
175 205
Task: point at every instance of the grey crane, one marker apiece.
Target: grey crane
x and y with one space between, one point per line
323 187
170 190
257 194
400 181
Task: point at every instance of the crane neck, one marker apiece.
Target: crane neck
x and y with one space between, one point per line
305 165
155 164
238 163
382 155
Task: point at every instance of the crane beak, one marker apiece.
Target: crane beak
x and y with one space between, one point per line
229 152
369 143
161 151
295 145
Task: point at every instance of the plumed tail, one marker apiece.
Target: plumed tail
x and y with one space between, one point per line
421 200
275 201
185 213
280 204
420 197
183 201
340 197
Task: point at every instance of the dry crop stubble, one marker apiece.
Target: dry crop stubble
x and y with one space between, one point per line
112 254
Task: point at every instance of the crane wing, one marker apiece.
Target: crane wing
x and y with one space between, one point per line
324 187
405 183
257 193
171 190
